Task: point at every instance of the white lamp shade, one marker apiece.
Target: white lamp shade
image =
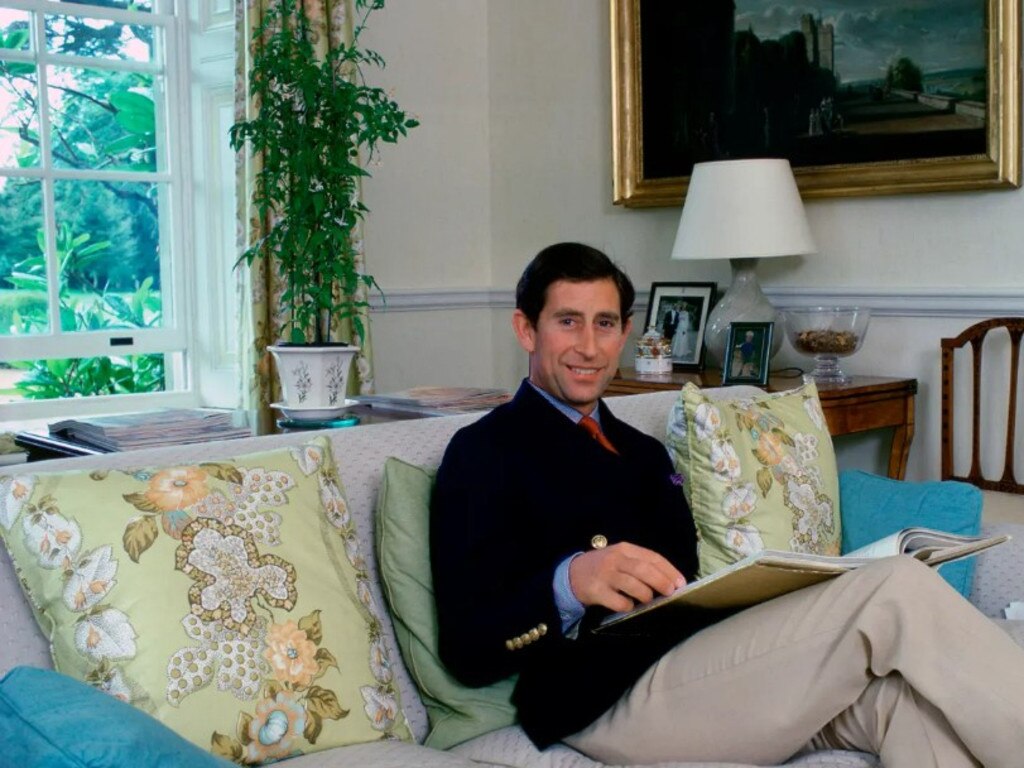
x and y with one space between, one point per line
741 209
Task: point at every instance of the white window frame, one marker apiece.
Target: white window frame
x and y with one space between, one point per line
176 234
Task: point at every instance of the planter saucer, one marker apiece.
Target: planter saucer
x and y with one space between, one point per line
315 412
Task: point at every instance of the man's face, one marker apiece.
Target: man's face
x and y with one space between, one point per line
574 348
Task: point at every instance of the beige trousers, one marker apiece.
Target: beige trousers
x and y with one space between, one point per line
887 659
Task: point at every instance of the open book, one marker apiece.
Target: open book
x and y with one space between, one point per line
770 573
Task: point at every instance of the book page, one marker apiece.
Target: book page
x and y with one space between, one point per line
890 545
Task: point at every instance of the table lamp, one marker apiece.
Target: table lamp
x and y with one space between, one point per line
742 210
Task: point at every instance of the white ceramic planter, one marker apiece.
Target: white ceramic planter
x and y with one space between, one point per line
314 376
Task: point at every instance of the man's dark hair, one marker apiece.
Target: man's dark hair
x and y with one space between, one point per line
576 263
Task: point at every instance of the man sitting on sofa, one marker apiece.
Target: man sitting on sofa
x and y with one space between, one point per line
548 512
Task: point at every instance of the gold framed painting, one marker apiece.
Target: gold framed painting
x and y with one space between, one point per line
858 106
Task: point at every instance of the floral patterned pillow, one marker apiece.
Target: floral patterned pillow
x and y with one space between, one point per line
759 473
228 599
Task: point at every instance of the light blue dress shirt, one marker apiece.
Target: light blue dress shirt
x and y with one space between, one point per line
570 609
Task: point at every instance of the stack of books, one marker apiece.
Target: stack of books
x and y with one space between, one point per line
131 431
439 401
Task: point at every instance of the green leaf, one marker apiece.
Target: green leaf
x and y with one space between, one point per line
242 727
141 502
136 113
314 724
324 703
139 535
133 102
223 471
17 68
15 41
226 747
311 625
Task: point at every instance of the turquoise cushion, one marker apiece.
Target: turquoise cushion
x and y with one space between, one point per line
49 720
873 507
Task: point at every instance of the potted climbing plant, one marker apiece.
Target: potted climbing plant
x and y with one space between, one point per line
316 119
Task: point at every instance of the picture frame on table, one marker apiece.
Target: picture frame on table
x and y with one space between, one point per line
747 353
857 105
680 311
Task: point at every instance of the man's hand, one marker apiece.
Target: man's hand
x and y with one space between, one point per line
619 576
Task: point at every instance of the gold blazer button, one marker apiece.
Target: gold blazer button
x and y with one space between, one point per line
599 542
534 634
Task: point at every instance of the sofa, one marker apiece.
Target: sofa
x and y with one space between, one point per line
360 453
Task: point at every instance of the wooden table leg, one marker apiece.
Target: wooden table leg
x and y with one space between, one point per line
902 436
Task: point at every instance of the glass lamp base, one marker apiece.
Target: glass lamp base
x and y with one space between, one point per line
826 371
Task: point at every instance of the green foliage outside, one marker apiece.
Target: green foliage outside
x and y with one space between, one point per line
84 312
315 117
107 240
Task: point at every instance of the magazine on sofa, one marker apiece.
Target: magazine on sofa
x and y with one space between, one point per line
771 573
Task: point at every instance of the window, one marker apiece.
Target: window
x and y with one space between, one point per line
93 223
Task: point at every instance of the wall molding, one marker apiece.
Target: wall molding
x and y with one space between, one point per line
904 302
415 300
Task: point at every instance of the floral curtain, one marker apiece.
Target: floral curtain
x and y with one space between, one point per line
261 286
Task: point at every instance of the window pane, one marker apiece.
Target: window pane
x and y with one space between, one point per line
129 5
23 306
14 29
98 38
103 120
108 245
19 95
82 377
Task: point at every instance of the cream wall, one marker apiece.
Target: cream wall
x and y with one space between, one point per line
514 154
429 230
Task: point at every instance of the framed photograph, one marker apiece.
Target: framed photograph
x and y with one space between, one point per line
680 311
747 353
907 98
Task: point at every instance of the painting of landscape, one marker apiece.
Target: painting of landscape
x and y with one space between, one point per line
822 83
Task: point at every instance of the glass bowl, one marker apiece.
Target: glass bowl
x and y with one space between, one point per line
826 334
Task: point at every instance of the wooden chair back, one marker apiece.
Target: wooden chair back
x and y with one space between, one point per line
975 336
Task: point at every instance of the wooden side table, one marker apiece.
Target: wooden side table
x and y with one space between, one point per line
862 404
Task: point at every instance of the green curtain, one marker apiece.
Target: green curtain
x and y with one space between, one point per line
261 285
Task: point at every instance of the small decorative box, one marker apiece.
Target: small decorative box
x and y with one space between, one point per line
653 353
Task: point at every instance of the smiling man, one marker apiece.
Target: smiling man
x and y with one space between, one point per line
534 518
548 512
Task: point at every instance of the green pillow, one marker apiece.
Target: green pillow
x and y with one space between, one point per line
228 599
759 473
456 713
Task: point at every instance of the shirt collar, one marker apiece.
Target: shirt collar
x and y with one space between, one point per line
564 408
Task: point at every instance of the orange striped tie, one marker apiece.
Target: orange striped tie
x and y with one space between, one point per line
592 428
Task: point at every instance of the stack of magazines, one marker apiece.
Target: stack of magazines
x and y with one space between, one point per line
439 401
130 431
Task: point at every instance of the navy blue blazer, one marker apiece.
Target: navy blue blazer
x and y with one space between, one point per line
517 492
